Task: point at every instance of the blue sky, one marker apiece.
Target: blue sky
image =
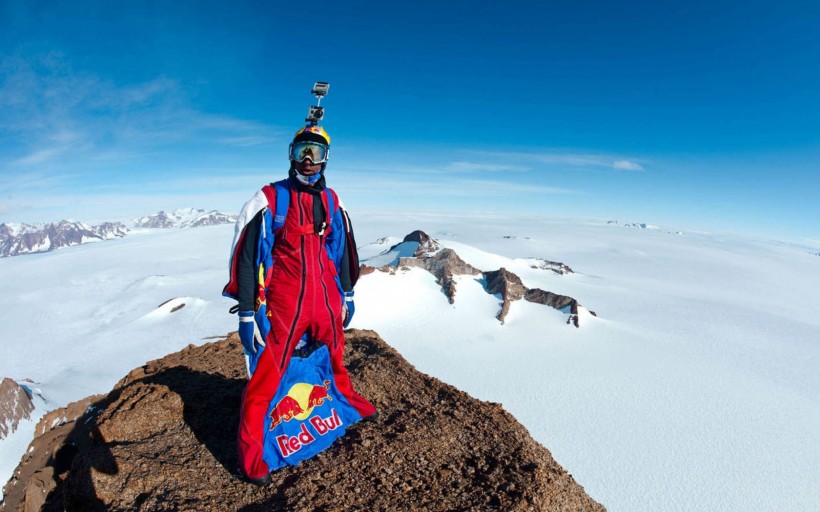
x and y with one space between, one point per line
700 115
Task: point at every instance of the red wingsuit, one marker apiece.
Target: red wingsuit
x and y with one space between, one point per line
302 296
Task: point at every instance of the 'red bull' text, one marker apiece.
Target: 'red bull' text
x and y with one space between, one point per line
288 445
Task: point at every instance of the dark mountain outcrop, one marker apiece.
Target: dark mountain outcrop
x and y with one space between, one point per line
445 264
427 244
556 266
506 284
15 406
510 287
164 439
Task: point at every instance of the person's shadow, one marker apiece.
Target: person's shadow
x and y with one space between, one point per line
211 405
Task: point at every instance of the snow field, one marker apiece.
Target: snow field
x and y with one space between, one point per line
695 388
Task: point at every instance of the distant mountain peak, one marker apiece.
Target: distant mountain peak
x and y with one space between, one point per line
639 225
418 243
16 239
184 218
419 250
644 225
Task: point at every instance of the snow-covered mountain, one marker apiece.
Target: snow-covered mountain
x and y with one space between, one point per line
18 239
694 389
419 250
639 225
644 225
184 218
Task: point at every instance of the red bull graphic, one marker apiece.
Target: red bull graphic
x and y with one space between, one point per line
288 445
286 410
307 413
318 395
299 402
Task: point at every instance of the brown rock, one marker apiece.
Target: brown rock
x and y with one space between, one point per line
550 299
427 244
508 285
555 266
444 265
164 439
48 456
15 406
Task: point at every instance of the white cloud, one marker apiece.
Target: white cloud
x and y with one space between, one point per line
437 184
580 160
38 156
248 141
35 180
626 165
54 113
491 167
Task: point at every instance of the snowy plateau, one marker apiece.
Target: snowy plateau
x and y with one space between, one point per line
694 389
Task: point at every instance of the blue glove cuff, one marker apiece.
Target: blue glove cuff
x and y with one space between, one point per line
245 314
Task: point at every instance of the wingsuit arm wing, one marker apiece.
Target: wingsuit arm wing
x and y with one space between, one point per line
246 270
343 248
242 280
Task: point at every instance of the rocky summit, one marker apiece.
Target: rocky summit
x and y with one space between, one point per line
164 439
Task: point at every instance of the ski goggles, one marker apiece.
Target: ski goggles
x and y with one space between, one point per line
315 151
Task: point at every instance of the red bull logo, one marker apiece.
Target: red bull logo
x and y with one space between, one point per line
299 402
285 410
288 445
318 395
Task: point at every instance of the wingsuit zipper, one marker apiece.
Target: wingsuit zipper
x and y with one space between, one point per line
324 289
301 288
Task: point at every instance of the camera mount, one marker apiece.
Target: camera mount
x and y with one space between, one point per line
317 112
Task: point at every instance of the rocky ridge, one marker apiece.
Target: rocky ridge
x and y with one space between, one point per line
445 264
510 287
164 439
15 406
16 239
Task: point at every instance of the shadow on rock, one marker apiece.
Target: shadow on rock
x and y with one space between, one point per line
106 437
211 406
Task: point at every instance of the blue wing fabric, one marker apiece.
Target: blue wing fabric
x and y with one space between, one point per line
308 413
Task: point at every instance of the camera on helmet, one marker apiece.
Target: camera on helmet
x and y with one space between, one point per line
315 114
320 89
